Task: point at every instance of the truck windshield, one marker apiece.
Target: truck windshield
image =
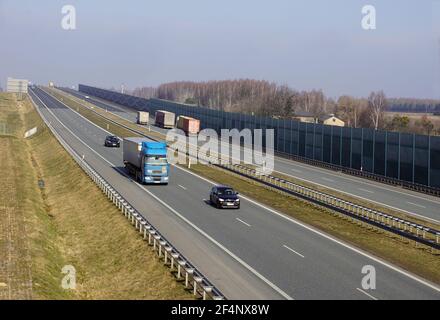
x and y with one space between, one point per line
157 160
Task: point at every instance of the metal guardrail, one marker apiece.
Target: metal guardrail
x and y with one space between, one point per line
194 279
364 174
133 102
354 172
405 228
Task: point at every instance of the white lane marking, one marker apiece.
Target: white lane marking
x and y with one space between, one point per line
344 192
417 205
239 260
181 186
245 223
295 252
294 221
365 190
291 162
367 294
344 176
366 199
296 170
327 179
331 238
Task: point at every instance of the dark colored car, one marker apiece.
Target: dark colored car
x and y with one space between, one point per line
224 197
112 141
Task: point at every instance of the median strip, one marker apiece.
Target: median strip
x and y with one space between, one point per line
393 248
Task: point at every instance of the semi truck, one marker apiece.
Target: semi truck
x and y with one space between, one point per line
143 117
146 161
189 125
165 119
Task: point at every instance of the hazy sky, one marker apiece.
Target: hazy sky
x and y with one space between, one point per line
305 44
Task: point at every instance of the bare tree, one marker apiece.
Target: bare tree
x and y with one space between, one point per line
377 104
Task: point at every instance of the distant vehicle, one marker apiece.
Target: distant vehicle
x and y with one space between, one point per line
224 197
189 125
112 141
87 97
146 161
143 117
165 119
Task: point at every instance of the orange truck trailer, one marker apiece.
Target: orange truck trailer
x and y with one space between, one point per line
188 125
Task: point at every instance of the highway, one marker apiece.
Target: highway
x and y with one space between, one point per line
406 201
252 253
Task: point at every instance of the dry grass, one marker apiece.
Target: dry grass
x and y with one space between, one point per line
415 117
111 260
74 102
418 260
15 262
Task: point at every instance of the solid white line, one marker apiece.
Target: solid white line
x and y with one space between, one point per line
417 205
290 249
243 222
341 191
182 187
366 199
291 162
343 176
322 234
365 190
239 260
331 238
367 294
53 97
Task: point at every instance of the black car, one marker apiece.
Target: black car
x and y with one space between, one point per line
224 197
112 141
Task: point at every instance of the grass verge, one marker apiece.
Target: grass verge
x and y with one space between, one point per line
78 105
111 260
419 260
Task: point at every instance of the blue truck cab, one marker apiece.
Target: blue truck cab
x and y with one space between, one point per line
146 160
155 163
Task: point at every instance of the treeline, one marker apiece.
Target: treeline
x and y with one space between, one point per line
411 105
257 97
265 98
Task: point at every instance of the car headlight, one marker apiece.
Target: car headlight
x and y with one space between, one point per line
237 200
221 200
165 178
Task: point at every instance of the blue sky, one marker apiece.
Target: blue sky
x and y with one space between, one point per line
305 44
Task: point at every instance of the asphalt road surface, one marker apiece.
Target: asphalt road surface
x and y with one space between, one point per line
251 253
410 202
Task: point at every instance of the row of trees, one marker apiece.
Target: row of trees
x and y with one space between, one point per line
411 105
265 98
251 96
